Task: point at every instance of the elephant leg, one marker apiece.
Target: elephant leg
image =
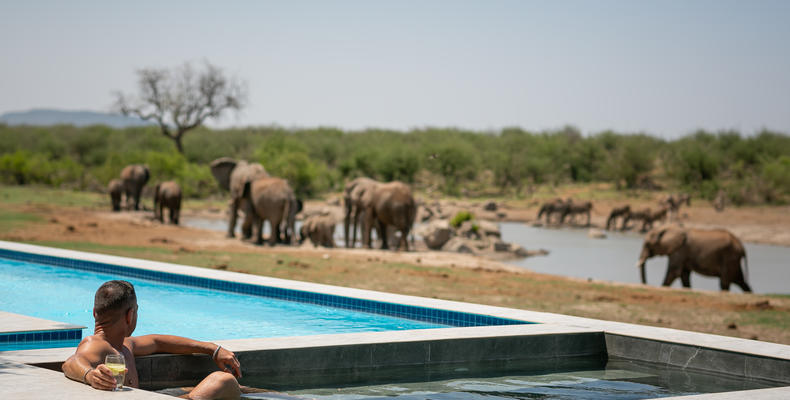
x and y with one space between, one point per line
258 222
173 215
233 209
176 214
275 237
685 277
404 241
383 235
672 274
137 199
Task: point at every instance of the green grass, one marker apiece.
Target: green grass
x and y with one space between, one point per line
769 318
10 220
16 195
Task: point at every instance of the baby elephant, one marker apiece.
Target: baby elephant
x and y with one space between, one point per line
320 229
116 190
167 194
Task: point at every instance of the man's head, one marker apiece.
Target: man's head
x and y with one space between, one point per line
115 301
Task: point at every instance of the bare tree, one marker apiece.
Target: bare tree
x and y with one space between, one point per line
182 99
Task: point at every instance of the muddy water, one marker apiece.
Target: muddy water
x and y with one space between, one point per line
574 254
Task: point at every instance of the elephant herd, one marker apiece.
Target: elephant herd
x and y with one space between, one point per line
125 192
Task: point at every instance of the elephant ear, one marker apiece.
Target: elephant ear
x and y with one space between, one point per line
669 240
221 168
146 174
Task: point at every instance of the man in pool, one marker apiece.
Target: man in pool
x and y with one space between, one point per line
115 313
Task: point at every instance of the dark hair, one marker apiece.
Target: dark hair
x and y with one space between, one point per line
114 296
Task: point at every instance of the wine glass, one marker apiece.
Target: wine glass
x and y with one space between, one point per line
116 364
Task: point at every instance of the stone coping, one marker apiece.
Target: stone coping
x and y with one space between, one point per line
10 322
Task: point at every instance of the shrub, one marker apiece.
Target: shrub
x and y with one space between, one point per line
460 218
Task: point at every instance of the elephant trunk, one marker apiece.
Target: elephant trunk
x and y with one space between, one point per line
641 263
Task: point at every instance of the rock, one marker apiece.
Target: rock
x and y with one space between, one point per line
518 251
469 229
490 206
501 215
500 246
458 245
436 233
488 228
596 234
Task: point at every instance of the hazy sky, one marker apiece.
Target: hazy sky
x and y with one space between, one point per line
662 67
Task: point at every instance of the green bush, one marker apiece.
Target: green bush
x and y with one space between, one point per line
460 218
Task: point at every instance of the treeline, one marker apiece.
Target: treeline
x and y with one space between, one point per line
753 169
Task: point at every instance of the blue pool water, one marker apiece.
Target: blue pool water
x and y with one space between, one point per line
66 295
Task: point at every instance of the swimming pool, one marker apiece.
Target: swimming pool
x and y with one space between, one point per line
65 294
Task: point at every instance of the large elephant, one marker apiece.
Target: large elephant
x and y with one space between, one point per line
714 252
167 194
389 205
232 175
115 188
134 177
320 229
353 194
273 200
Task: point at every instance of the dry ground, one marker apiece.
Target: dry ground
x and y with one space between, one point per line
431 274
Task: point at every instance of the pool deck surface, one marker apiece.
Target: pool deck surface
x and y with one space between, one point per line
18 380
11 323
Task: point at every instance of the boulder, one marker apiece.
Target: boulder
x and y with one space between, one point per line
518 251
490 206
596 234
488 228
501 215
458 245
500 246
436 233
469 229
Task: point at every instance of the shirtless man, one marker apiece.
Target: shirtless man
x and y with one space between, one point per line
115 312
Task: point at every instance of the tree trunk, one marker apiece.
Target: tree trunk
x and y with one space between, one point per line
179 145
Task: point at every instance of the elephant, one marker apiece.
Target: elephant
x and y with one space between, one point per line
167 194
320 229
617 212
389 205
232 175
134 177
273 200
115 188
549 208
573 208
353 194
715 252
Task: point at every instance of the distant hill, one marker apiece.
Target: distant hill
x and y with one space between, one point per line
64 117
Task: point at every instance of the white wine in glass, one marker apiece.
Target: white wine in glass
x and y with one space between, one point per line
116 364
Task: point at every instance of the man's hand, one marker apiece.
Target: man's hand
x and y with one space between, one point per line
101 378
228 362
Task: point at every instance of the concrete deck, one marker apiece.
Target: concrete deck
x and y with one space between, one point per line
10 322
682 349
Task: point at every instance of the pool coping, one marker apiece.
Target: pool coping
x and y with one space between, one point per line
546 322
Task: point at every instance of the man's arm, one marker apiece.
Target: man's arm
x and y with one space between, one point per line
86 365
151 344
